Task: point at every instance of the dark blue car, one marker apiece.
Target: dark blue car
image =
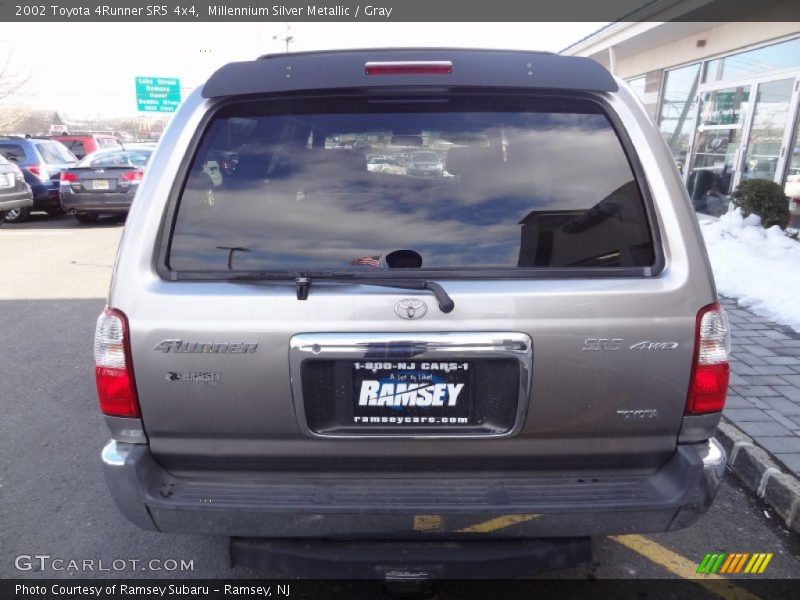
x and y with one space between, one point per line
41 161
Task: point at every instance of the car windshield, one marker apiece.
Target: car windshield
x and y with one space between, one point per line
54 153
508 193
138 158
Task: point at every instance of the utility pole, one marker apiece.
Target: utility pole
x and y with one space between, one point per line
288 39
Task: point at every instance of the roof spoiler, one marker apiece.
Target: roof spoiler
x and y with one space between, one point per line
310 71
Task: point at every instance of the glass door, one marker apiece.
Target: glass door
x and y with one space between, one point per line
715 153
792 154
771 117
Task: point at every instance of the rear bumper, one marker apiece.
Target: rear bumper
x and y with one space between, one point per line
106 203
13 200
415 506
45 194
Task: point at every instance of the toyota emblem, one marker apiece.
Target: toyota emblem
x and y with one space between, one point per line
410 308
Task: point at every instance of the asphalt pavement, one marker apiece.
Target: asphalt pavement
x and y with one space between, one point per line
53 499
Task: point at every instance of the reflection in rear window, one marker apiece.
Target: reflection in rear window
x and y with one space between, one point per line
516 183
54 153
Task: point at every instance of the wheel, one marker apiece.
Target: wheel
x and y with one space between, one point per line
56 211
17 215
87 218
2 217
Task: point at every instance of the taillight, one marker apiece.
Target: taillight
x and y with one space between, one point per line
439 67
113 370
40 172
132 176
709 382
67 177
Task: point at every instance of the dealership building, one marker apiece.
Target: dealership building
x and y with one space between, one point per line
723 94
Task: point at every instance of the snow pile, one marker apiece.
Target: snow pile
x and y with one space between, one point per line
757 266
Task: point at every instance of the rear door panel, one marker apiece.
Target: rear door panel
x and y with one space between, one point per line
238 409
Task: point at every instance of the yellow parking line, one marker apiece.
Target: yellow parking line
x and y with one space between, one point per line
498 523
683 567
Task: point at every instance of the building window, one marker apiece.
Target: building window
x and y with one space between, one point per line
637 86
679 110
753 63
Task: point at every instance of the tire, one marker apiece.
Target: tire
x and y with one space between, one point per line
87 218
2 217
56 211
17 215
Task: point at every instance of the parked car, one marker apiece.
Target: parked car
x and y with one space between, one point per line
41 161
421 377
425 164
103 183
83 144
14 192
382 164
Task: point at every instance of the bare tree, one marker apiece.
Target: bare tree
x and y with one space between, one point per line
10 85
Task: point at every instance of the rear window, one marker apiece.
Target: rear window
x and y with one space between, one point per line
518 183
76 147
54 153
116 159
13 152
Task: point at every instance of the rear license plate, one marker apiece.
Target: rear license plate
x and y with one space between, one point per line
412 393
100 184
6 179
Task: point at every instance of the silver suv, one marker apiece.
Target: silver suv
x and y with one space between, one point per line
401 372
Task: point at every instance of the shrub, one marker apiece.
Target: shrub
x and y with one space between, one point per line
763 198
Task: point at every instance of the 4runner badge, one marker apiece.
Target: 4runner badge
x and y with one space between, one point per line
410 308
178 346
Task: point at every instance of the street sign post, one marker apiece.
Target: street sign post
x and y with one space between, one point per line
158 94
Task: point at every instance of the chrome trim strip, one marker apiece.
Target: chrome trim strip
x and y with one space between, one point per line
423 345
114 453
714 457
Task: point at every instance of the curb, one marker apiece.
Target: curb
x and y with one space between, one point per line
761 474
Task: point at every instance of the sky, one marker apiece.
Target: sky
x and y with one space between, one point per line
87 70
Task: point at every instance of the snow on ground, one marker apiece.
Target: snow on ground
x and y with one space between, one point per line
756 266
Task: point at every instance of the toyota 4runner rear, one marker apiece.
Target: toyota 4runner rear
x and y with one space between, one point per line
299 350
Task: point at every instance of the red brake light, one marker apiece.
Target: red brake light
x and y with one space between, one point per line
710 370
132 176
409 68
116 388
39 172
68 177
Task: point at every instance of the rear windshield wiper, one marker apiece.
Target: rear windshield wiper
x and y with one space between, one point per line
445 302
303 284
